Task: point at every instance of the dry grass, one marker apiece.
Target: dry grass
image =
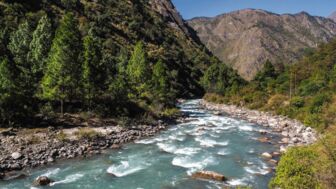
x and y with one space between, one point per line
86 133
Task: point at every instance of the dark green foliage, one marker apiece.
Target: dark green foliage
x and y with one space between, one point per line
93 70
14 107
161 84
40 46
114 58
268 72
19 45
221 79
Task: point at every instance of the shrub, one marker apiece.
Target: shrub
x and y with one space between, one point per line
296 170
171 112
298 102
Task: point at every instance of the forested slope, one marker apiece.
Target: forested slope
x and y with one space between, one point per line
110 57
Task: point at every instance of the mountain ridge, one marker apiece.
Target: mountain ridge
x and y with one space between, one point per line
277 37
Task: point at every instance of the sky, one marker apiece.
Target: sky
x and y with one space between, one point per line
194 8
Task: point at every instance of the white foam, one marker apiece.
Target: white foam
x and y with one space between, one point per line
223 152
245 128
254 169
68 179
124 169
166 147
189 163
237 182
207 142
145 141
187 151
51 172
177 137
225 128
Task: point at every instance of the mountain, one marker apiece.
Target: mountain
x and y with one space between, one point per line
245 39
333 16
113 57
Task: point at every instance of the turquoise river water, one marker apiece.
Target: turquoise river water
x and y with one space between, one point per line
166 161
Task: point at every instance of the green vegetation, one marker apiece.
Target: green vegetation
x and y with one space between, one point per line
111 58
305 91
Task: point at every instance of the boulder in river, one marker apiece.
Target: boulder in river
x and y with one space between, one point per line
209 175
266 155
42 181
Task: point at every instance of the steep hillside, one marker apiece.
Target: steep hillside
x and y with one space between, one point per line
106 56
246 39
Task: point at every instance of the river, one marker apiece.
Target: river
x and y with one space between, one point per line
206 142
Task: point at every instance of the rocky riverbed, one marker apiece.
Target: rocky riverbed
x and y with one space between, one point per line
28 148
293 132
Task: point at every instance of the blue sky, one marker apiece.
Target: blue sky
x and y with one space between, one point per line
193 8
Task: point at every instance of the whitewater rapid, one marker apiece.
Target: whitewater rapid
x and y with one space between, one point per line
206 142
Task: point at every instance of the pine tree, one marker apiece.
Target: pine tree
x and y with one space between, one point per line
160 79
138 70
40 46
61 80
118 87
19 46
93 71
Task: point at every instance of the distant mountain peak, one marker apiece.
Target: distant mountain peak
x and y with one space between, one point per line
245 39
333 16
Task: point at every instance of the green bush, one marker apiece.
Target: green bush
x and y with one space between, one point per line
296 170
298 102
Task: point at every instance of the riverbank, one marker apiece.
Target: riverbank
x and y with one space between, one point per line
293 132
22 149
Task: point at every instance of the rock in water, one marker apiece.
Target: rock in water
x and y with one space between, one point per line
266 155
16 155
209 175
42 181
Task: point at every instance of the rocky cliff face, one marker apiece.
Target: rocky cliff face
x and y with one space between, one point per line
245 39
167 9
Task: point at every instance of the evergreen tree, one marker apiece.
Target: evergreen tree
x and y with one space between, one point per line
19 46
160 79
61 80
268 72
119 84
40 46
138 70
93 71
